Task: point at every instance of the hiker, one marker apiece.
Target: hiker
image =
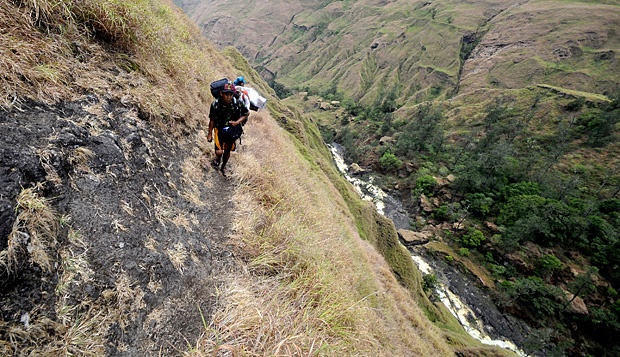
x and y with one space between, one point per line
226 115
242 92
254 100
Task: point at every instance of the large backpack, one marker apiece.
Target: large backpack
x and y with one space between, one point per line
217 86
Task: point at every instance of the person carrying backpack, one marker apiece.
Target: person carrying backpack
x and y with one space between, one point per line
242 93
226 117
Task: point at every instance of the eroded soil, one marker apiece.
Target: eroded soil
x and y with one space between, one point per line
142 241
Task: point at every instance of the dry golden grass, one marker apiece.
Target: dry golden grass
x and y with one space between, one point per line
79 328
80 157
310 285
34 232
144 53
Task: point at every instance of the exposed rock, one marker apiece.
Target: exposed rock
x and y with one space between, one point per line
492 227
441 181
414 238
426 205
458 226
577 304
325 106
410 167
335 103
522 259
386 140
355 169
605 56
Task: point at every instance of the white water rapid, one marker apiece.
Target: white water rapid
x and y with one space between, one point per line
463 313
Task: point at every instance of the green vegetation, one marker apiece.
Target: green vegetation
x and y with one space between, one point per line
531 184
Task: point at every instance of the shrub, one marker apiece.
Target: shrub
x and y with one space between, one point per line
390 162
548 265
473 238
479 204
497 270
520 188
609 206
426 184
429 282
520 206
442 213
543 301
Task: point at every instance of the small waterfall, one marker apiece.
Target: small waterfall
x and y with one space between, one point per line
391 208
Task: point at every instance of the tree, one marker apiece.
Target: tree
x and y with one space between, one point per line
479 204
548 265
540 301
473 238
519 207
390 162
423 134
426 184
583 284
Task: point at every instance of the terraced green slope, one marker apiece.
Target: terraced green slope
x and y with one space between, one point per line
421 50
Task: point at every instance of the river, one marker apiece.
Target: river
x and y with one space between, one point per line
469 305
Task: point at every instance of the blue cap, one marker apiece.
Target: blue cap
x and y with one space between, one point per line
239 80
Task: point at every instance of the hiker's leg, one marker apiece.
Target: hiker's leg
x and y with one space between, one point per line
215 163
226 156
219 146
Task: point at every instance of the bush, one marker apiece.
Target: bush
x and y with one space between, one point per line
390 162
426 184
609 206
429 282
497 270
442 213
520 188
541 300
519 207
473 238
479 204
548 265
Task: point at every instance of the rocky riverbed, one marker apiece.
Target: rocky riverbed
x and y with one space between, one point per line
501 328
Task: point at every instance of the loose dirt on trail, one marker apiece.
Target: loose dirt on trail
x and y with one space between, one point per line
138 245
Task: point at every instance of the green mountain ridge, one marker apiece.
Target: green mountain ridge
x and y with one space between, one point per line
421 50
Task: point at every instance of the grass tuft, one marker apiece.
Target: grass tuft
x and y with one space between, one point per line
34 232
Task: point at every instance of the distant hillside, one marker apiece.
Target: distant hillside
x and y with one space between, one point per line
420 50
